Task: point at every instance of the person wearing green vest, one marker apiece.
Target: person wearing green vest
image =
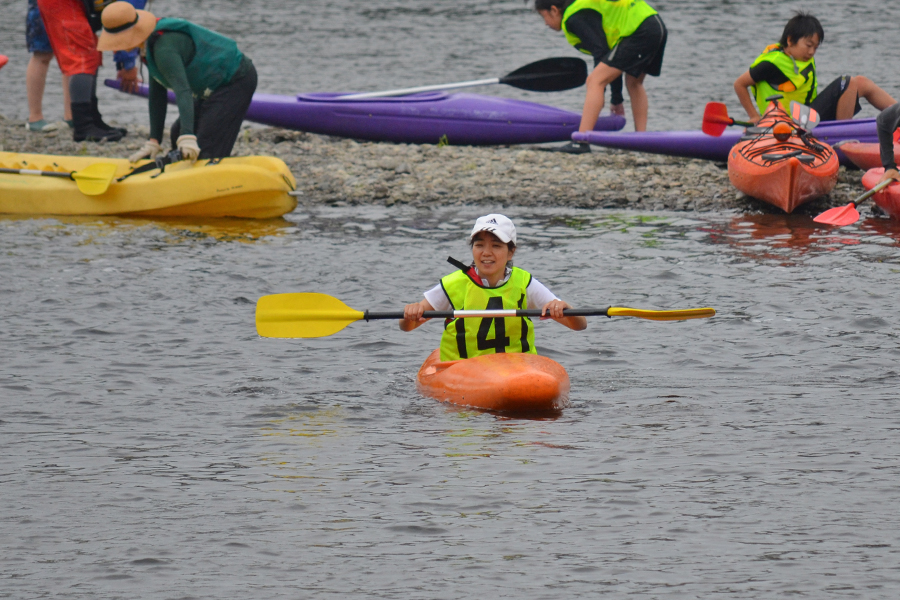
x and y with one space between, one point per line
213 81
635 38
789 68
491 282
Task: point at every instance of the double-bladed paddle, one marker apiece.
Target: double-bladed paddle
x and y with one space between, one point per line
847 214
547 75
312 315
716 119
91 181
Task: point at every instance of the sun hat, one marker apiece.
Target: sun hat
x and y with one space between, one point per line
124 27
498 225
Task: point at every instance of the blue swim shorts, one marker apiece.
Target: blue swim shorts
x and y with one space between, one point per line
35 35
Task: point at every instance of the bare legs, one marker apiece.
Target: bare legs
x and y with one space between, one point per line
596 84
35 82
639 104
67 100
862 87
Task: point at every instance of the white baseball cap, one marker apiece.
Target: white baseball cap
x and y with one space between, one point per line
498 225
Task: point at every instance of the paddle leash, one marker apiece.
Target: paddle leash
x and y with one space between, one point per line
160 162
312 315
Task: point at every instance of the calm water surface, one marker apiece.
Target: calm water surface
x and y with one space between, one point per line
151 445
314 46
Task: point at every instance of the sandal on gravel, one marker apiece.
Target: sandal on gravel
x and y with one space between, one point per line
571 148
41 126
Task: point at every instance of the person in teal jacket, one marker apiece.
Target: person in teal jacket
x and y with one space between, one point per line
212 79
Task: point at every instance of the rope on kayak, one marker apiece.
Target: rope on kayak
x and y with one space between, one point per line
159 163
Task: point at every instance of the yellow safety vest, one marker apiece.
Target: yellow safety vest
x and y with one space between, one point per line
470 337
801 85
621 18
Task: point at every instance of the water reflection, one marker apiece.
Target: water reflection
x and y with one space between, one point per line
180 229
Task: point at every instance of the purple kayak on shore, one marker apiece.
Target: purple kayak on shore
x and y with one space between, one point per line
696 144
428 118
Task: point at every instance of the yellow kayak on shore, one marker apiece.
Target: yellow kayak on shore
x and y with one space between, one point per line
254 187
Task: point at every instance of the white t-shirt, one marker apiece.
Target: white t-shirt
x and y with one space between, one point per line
537 292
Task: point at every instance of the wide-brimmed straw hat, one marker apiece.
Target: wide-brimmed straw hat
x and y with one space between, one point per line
124 27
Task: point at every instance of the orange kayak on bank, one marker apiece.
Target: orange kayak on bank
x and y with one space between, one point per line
775 164
887 199
866 156
506 382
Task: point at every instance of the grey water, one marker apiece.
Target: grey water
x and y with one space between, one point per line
348 45
153 446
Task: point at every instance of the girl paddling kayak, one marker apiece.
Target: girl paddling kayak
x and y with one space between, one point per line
491 282
213 81
635 37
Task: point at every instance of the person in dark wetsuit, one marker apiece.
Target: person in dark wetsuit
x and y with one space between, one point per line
788 68
888 122
213 81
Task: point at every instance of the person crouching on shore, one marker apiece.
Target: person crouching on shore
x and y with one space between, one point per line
213 81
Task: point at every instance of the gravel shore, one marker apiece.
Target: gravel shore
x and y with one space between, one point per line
336 171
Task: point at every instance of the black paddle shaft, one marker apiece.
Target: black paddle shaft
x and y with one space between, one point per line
448 314
43 173
549 75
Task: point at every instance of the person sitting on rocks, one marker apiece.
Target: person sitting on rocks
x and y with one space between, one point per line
635 38
788 68
70 26
212 80
491 282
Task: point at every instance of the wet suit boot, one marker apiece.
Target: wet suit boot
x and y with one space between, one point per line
98 120
86 130
572 148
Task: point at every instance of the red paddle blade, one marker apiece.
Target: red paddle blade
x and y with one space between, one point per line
839 216
897 136
716 119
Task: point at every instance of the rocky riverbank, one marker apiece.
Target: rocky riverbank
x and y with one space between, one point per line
337 171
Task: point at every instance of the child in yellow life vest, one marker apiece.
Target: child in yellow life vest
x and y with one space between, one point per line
490 283
789 68
634 38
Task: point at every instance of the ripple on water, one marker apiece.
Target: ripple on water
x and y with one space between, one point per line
150 438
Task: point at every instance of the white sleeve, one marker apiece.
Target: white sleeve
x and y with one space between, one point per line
538 294
438 299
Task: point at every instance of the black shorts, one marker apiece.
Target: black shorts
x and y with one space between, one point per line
826 101
642 51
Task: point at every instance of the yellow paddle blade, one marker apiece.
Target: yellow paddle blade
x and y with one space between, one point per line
305 315
95 179
662 315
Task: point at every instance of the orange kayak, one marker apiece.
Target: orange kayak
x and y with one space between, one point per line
784 172
504 382
887 199
866 156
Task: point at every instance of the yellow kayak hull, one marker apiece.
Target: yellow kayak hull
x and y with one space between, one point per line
254 187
